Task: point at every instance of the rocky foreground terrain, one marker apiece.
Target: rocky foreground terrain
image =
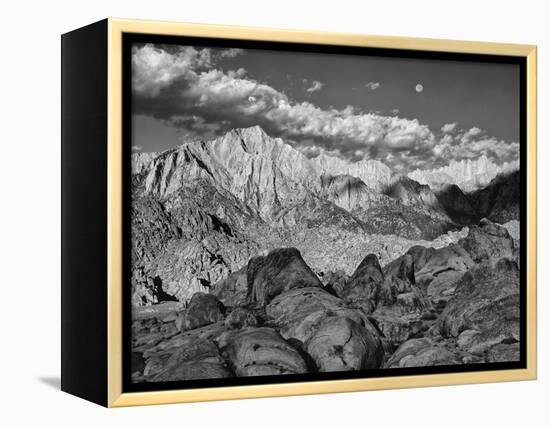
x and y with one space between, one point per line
455 305
250 259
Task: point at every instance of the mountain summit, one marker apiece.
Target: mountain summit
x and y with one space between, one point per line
275 180
469 175
245 153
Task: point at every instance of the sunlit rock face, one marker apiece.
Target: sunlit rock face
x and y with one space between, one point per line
262 172
469 175
374 174
348 192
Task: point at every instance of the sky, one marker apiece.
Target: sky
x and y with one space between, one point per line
408 113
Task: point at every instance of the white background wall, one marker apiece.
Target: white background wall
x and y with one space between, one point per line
29 210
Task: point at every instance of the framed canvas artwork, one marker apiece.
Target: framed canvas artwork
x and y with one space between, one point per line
253 212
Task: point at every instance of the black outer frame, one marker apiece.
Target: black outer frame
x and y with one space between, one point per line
127 41
84 212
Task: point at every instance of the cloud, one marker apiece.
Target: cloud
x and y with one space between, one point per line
449 127
187 88
136 148
372 85
471 134
194 127
472 144
311 150
316 86
231 53
154 68
157 67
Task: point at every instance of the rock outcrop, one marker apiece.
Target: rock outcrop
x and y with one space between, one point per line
443 268
500 200
241 317
336 336
340 344
363 288
198 360
488 242
297 313
281 270
485 309
422 353
262 352
203 309
162 353
233 290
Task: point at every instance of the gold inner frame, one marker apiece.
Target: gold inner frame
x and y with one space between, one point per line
116 398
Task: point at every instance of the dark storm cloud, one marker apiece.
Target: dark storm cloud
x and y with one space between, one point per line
189 89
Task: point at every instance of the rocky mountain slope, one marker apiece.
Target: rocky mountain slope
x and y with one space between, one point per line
498 201
272 178
374 174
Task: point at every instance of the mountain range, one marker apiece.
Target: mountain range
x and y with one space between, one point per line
469 175
249 259
202 209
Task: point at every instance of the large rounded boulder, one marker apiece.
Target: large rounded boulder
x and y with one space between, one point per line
200 360
340 344
240 317
262 352
400 273
488 242
232 291
420 255
281 270
203 309
485 310
422 353
336 336
443 269
298 312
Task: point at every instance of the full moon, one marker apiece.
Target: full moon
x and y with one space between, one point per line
419 88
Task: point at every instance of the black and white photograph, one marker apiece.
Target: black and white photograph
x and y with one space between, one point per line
307 213
303 212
